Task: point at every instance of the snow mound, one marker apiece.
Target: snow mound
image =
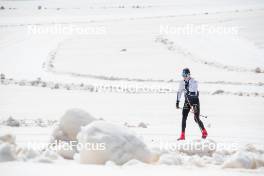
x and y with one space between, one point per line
10 151
7 148
218 158
134 162
47 156
247 158
111 143
26 154
142 125
8 138
7 152
12 122
253 149
169 159
66 150
199 147
218 92
241 160
70 124
126 124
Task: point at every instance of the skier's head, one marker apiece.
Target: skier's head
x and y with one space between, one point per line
186 73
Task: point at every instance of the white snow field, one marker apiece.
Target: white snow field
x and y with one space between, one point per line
106 73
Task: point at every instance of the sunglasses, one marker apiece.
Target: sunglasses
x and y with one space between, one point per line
185 75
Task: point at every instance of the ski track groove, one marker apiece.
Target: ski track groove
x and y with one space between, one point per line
171 46
50 67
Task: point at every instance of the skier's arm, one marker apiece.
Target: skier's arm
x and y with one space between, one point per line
179 93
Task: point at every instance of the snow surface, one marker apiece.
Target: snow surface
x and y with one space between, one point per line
127 75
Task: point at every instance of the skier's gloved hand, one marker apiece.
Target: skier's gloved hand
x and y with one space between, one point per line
177 104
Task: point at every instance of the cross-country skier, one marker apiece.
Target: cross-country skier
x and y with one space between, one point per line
189 87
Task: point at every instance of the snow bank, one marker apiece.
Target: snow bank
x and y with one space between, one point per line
247 158
241 160
26 154
199 147
8 138
47 156
133 162
170 159
111 143
7 148
142 125
218 92
10 151
139 125
70 124
66 150
7 152
12 122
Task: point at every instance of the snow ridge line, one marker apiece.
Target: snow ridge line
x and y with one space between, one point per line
109 88
150 80
86 87
40 122
171 46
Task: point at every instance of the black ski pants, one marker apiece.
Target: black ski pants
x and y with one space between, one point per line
191 102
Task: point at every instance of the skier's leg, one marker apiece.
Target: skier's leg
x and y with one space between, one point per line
196 108
185 112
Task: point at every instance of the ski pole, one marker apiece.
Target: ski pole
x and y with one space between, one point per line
209 125
199 114
186 96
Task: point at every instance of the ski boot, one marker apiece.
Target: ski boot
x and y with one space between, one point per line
182 137
204 133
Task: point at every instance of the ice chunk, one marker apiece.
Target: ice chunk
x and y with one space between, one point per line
7 152
70 124
111 143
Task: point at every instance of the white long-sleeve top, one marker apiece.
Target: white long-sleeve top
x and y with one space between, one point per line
193 87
